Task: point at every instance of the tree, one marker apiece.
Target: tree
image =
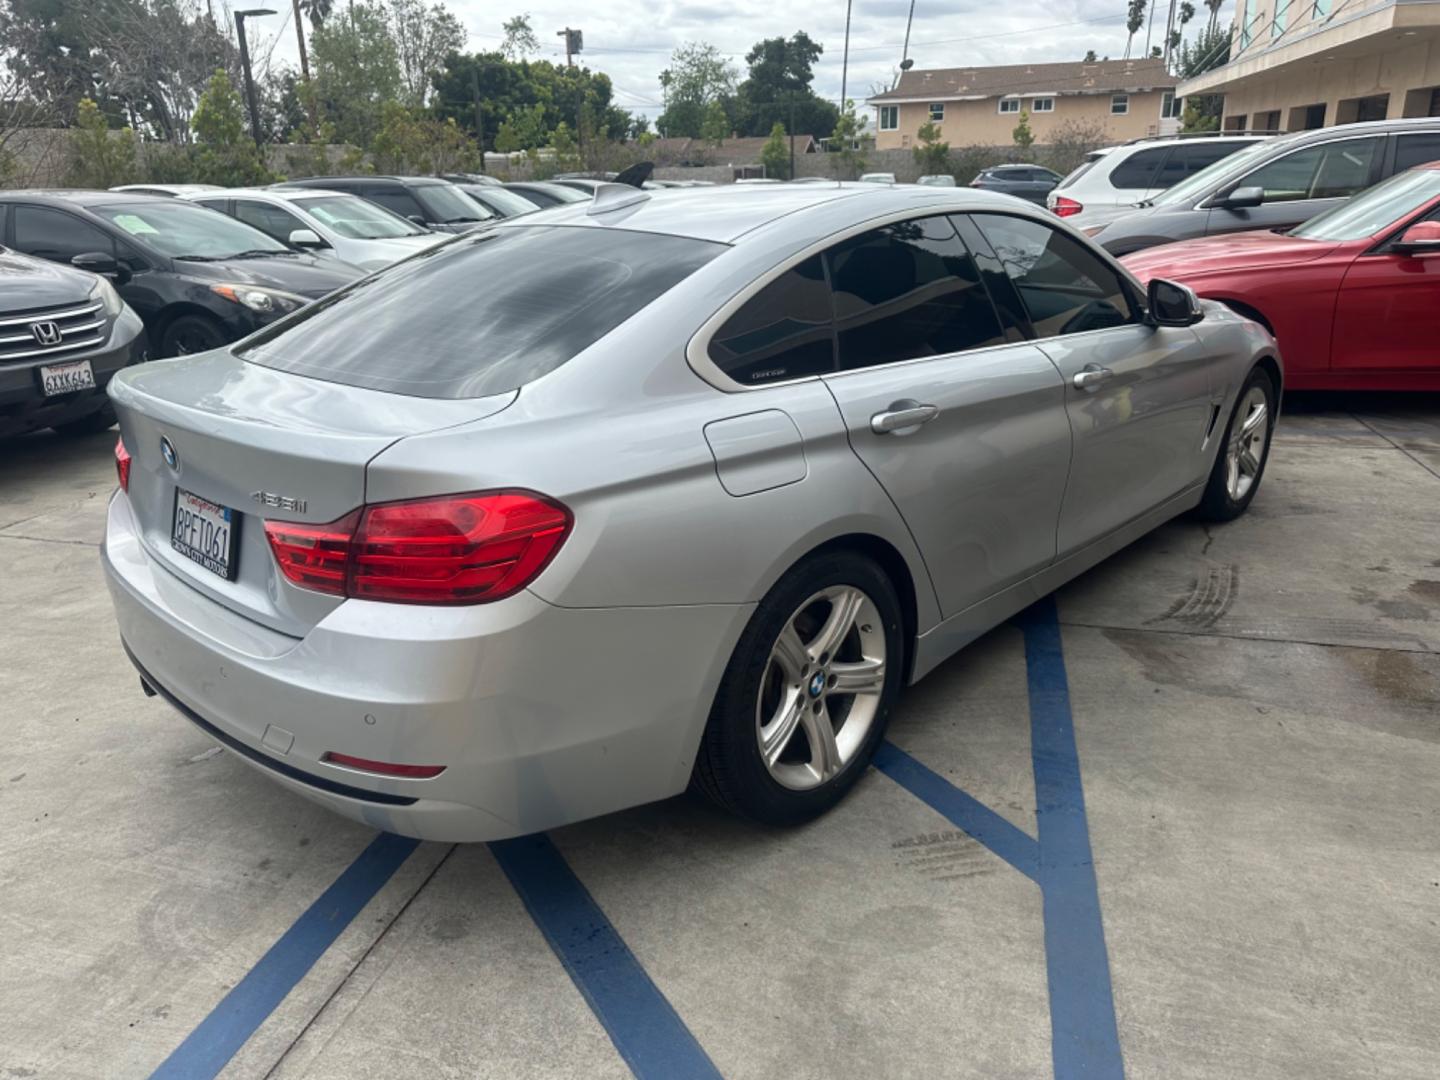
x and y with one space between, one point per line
716 124
775 154
567 155
411 142
1214 6
317 11
227 155
1090 53
1210 49
847 162
1134 19
698 75
931 155
423 37
1022 136
779 87
520 40
98 159
357 70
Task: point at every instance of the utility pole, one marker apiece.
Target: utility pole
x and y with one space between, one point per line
240 17
574 43
905 52
792 135
845 60
479 115
300 40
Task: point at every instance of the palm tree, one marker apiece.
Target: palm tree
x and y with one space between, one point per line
319 10
1214 6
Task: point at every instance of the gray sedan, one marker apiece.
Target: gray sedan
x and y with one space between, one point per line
685 494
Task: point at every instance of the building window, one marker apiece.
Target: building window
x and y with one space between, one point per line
1282 16
1242 16
1009 105
1322 9
1042 104
889 117
937 111
1171 107
1119 104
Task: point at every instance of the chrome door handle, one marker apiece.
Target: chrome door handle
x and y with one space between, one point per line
1091 376
901 415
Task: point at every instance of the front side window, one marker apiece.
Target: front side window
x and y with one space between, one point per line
397 200
56 235
270 220
1331 171
1066 287
182 230
889 117
937 111
785 331
483 315
1042 104
908 290
449 205
1375 210
1119 104
1009 105
356 218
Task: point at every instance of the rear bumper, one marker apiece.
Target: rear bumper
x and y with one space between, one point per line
23 404
541 715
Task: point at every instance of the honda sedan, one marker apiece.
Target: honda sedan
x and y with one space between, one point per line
1352 294
685 494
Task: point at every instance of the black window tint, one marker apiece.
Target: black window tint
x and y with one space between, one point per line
483 315
1003 294
1197 156
908 290
270 220
1139 169
784 331
56 235
1066 287
1412 150
397 199
1329 171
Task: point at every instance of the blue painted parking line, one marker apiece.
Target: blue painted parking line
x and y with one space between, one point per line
220 1035
642 1024
1084 1039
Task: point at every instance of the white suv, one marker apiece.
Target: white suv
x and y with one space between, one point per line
1112 180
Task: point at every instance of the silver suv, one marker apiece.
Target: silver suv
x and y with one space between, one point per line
1276 184
1112 180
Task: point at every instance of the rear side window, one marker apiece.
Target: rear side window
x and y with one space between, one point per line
1412 150
483 315
908 290
782 332
1139 169
1076 174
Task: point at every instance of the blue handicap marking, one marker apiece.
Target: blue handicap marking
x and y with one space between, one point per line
1084 1039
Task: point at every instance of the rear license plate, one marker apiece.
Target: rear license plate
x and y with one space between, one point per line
204 532
66 378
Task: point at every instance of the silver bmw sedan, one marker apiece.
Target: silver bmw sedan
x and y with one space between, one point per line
667 488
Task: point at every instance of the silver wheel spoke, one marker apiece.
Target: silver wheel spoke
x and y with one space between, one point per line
782 731
1255 421
790 653
824 754
1232 474
1248 462
844 606
861 677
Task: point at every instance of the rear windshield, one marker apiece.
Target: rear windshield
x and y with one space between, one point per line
483 315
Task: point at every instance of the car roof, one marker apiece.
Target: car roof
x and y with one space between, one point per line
728 212
282 194
409 181
83 197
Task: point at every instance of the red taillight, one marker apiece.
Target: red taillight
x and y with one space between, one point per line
459 549
383 768
1066 207
122 465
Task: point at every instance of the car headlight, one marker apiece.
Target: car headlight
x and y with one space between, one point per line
108 297
260 300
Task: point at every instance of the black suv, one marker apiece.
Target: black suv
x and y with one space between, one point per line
63 334
426 200
197 278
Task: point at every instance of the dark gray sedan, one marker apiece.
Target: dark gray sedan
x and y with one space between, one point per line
1029 182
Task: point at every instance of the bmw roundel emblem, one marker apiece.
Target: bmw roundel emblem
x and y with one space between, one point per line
168 453
817 684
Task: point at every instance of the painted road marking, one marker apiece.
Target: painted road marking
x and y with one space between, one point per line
1084 1039
640 1021
208 1048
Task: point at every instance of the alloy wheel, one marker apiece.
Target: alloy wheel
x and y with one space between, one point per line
1246 452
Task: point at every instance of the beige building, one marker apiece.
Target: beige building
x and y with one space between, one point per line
980 106
1301 64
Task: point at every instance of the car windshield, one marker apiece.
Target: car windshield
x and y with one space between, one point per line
1202 182
356 218
506 202
183 230
561 192
1375 210
447 203
423 327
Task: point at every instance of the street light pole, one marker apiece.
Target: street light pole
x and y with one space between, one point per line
240 17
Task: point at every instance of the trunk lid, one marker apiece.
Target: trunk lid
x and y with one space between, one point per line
265 444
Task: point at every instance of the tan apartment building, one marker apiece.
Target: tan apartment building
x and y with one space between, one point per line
1298 64
980 106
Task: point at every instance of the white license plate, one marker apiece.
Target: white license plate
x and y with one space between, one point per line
66 378
204 532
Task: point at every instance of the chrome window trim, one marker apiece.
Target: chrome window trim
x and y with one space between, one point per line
53 316
697 350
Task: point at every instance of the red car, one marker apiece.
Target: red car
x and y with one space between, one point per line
1352 295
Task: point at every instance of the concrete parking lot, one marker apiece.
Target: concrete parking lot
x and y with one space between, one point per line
1182 822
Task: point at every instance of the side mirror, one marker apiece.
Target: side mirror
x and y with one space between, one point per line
417 219
1243 198
306 238
1172 304
1422 238
96 262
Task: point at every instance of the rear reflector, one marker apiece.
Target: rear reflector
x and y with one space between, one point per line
1066 207
458 549
122 465
382 768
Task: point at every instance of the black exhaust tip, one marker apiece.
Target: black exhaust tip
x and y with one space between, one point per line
149 690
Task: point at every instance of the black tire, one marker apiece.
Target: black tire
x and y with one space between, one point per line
101 419
1218 503
191 334
729 768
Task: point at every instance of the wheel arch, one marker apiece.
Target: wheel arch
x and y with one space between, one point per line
178 310
1249 311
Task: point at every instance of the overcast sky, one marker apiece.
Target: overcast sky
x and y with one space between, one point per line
631 40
